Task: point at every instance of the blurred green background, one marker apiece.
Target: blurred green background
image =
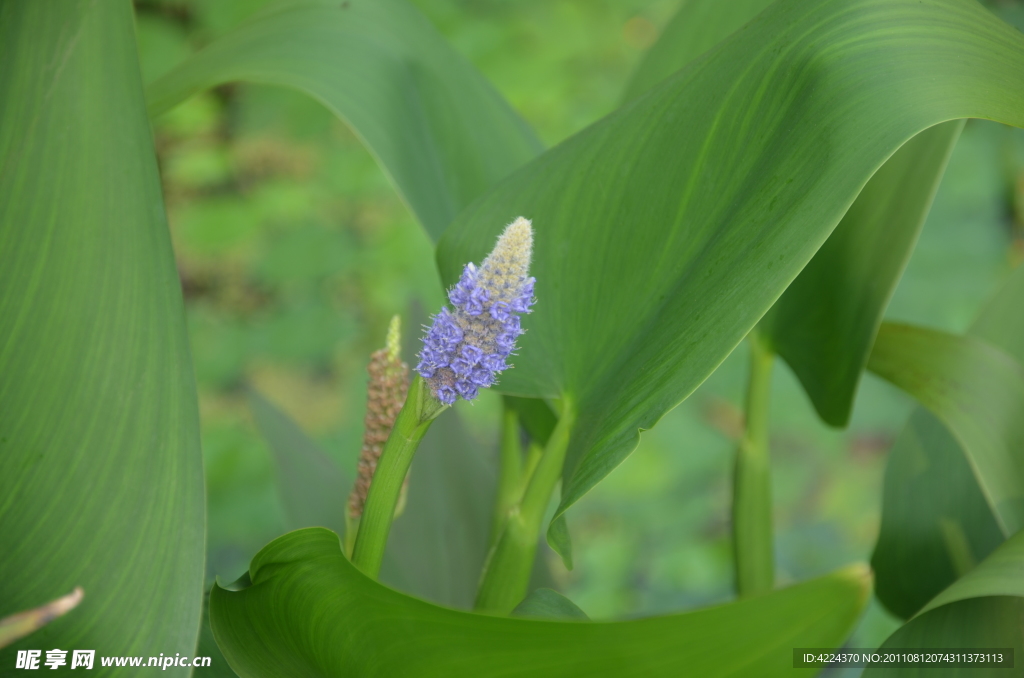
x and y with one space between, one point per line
294 252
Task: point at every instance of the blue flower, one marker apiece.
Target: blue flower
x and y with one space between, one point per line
464 350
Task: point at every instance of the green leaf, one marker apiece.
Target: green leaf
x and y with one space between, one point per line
439 131
982 609
977 390
101 481
936 522
1001 574
826 322
548 604
975 623
310 612
665 231
695 28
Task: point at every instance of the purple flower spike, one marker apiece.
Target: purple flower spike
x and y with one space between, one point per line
465 349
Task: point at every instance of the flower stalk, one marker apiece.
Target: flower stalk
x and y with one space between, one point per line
415 417
752 496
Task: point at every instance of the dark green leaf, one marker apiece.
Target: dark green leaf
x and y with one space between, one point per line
548 604
310 612
977 390
666 231
438 129
101 475
936 523
535 415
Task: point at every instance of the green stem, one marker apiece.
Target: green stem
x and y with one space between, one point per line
752 496
417 413
510 473
506 574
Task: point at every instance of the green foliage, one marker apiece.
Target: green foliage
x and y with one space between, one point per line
825 323
978 392
100 466
438 129
310 612
936 522
633 319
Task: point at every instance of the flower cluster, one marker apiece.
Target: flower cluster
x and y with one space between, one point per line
465 349
385 395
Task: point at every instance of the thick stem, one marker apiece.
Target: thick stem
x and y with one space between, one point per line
510 473
417 413
752 496
506 575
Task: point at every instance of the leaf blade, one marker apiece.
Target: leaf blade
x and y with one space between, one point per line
101 470
303 575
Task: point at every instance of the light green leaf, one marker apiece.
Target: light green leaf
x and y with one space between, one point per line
101 481
310 612
548 604
439 131
936 522
665 231
977 390
825 323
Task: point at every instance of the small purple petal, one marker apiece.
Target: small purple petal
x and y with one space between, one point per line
465 389
446 394
494 362
471 353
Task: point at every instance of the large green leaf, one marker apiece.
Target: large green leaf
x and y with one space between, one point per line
977 390
825 323
936 523
309 612
665 231
101 481
441 133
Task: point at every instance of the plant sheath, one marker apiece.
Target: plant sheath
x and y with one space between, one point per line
506 575
413 420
